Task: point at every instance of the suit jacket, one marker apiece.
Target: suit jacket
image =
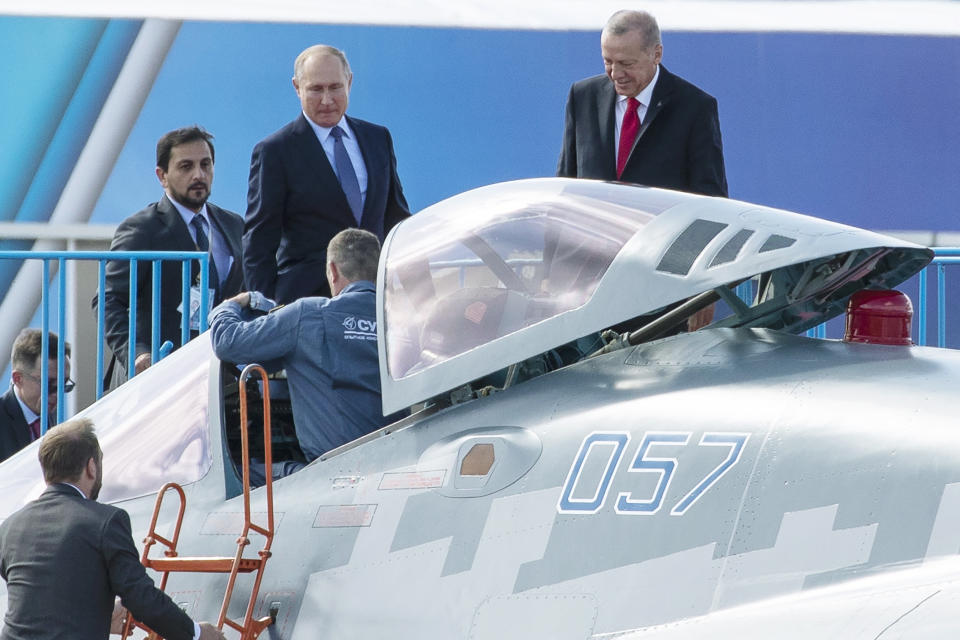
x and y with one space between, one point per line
14 430
160 227
295 206
64 558
678 146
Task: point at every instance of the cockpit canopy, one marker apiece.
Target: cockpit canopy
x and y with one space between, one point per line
499 274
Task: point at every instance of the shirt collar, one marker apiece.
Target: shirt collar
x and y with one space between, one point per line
76 488
323 133
358 285
645 96
188 215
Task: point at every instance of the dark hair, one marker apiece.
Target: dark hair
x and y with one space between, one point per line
28 347
356 253
177 137
66 449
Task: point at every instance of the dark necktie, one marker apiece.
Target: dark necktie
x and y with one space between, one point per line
203 243
346 174
628 134
35 429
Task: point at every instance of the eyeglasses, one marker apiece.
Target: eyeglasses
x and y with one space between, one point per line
68 384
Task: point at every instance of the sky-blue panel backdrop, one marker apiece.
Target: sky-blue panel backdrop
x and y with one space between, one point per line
859 129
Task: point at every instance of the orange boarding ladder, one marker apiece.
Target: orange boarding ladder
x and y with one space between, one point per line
174 563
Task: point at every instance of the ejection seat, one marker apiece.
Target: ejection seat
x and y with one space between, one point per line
172 562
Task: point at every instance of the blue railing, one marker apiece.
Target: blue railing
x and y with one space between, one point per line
944 256
134 258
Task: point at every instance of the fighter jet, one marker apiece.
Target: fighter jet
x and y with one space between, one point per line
579 459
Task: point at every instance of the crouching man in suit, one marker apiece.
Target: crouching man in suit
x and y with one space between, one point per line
65 557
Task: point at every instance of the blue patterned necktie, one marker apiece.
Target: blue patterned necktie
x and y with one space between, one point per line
346 174
203 243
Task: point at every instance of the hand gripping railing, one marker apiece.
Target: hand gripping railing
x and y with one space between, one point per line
172 562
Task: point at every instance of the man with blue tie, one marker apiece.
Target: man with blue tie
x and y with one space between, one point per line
182 220
320 174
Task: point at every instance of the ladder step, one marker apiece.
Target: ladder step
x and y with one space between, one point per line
202 564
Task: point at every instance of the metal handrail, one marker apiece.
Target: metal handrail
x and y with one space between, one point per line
134 257
249 628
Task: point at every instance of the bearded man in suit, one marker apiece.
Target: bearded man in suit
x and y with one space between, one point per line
65 557
182 220
638 122
322 173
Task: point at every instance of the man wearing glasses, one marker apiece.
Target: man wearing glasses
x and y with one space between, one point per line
20 405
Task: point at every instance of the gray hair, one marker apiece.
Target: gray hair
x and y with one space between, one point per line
356 253
319 50
628 20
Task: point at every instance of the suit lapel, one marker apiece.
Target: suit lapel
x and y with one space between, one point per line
217 218
174 234
606 109
659 99
174 229
317 164
21 430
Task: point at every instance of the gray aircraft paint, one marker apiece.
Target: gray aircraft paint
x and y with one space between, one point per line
837 517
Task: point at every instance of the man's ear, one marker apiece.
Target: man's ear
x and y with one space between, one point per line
17 378
91 469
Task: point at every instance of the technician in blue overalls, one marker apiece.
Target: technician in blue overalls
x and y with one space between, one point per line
328 347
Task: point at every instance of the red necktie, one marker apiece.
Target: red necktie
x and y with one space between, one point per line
628 134
35 428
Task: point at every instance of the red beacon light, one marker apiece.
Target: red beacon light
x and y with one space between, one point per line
879 317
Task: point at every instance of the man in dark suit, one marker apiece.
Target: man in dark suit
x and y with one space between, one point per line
182 220
20 405
320 174
640 123
65 557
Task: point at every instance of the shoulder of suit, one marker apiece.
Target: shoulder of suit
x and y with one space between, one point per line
592 83
8 401
679 85
293 128
142 223
149 212
357 123
214 210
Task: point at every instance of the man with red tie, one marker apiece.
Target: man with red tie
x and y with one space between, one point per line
638 122
20 405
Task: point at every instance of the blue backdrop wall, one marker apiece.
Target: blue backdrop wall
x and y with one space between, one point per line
859 129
